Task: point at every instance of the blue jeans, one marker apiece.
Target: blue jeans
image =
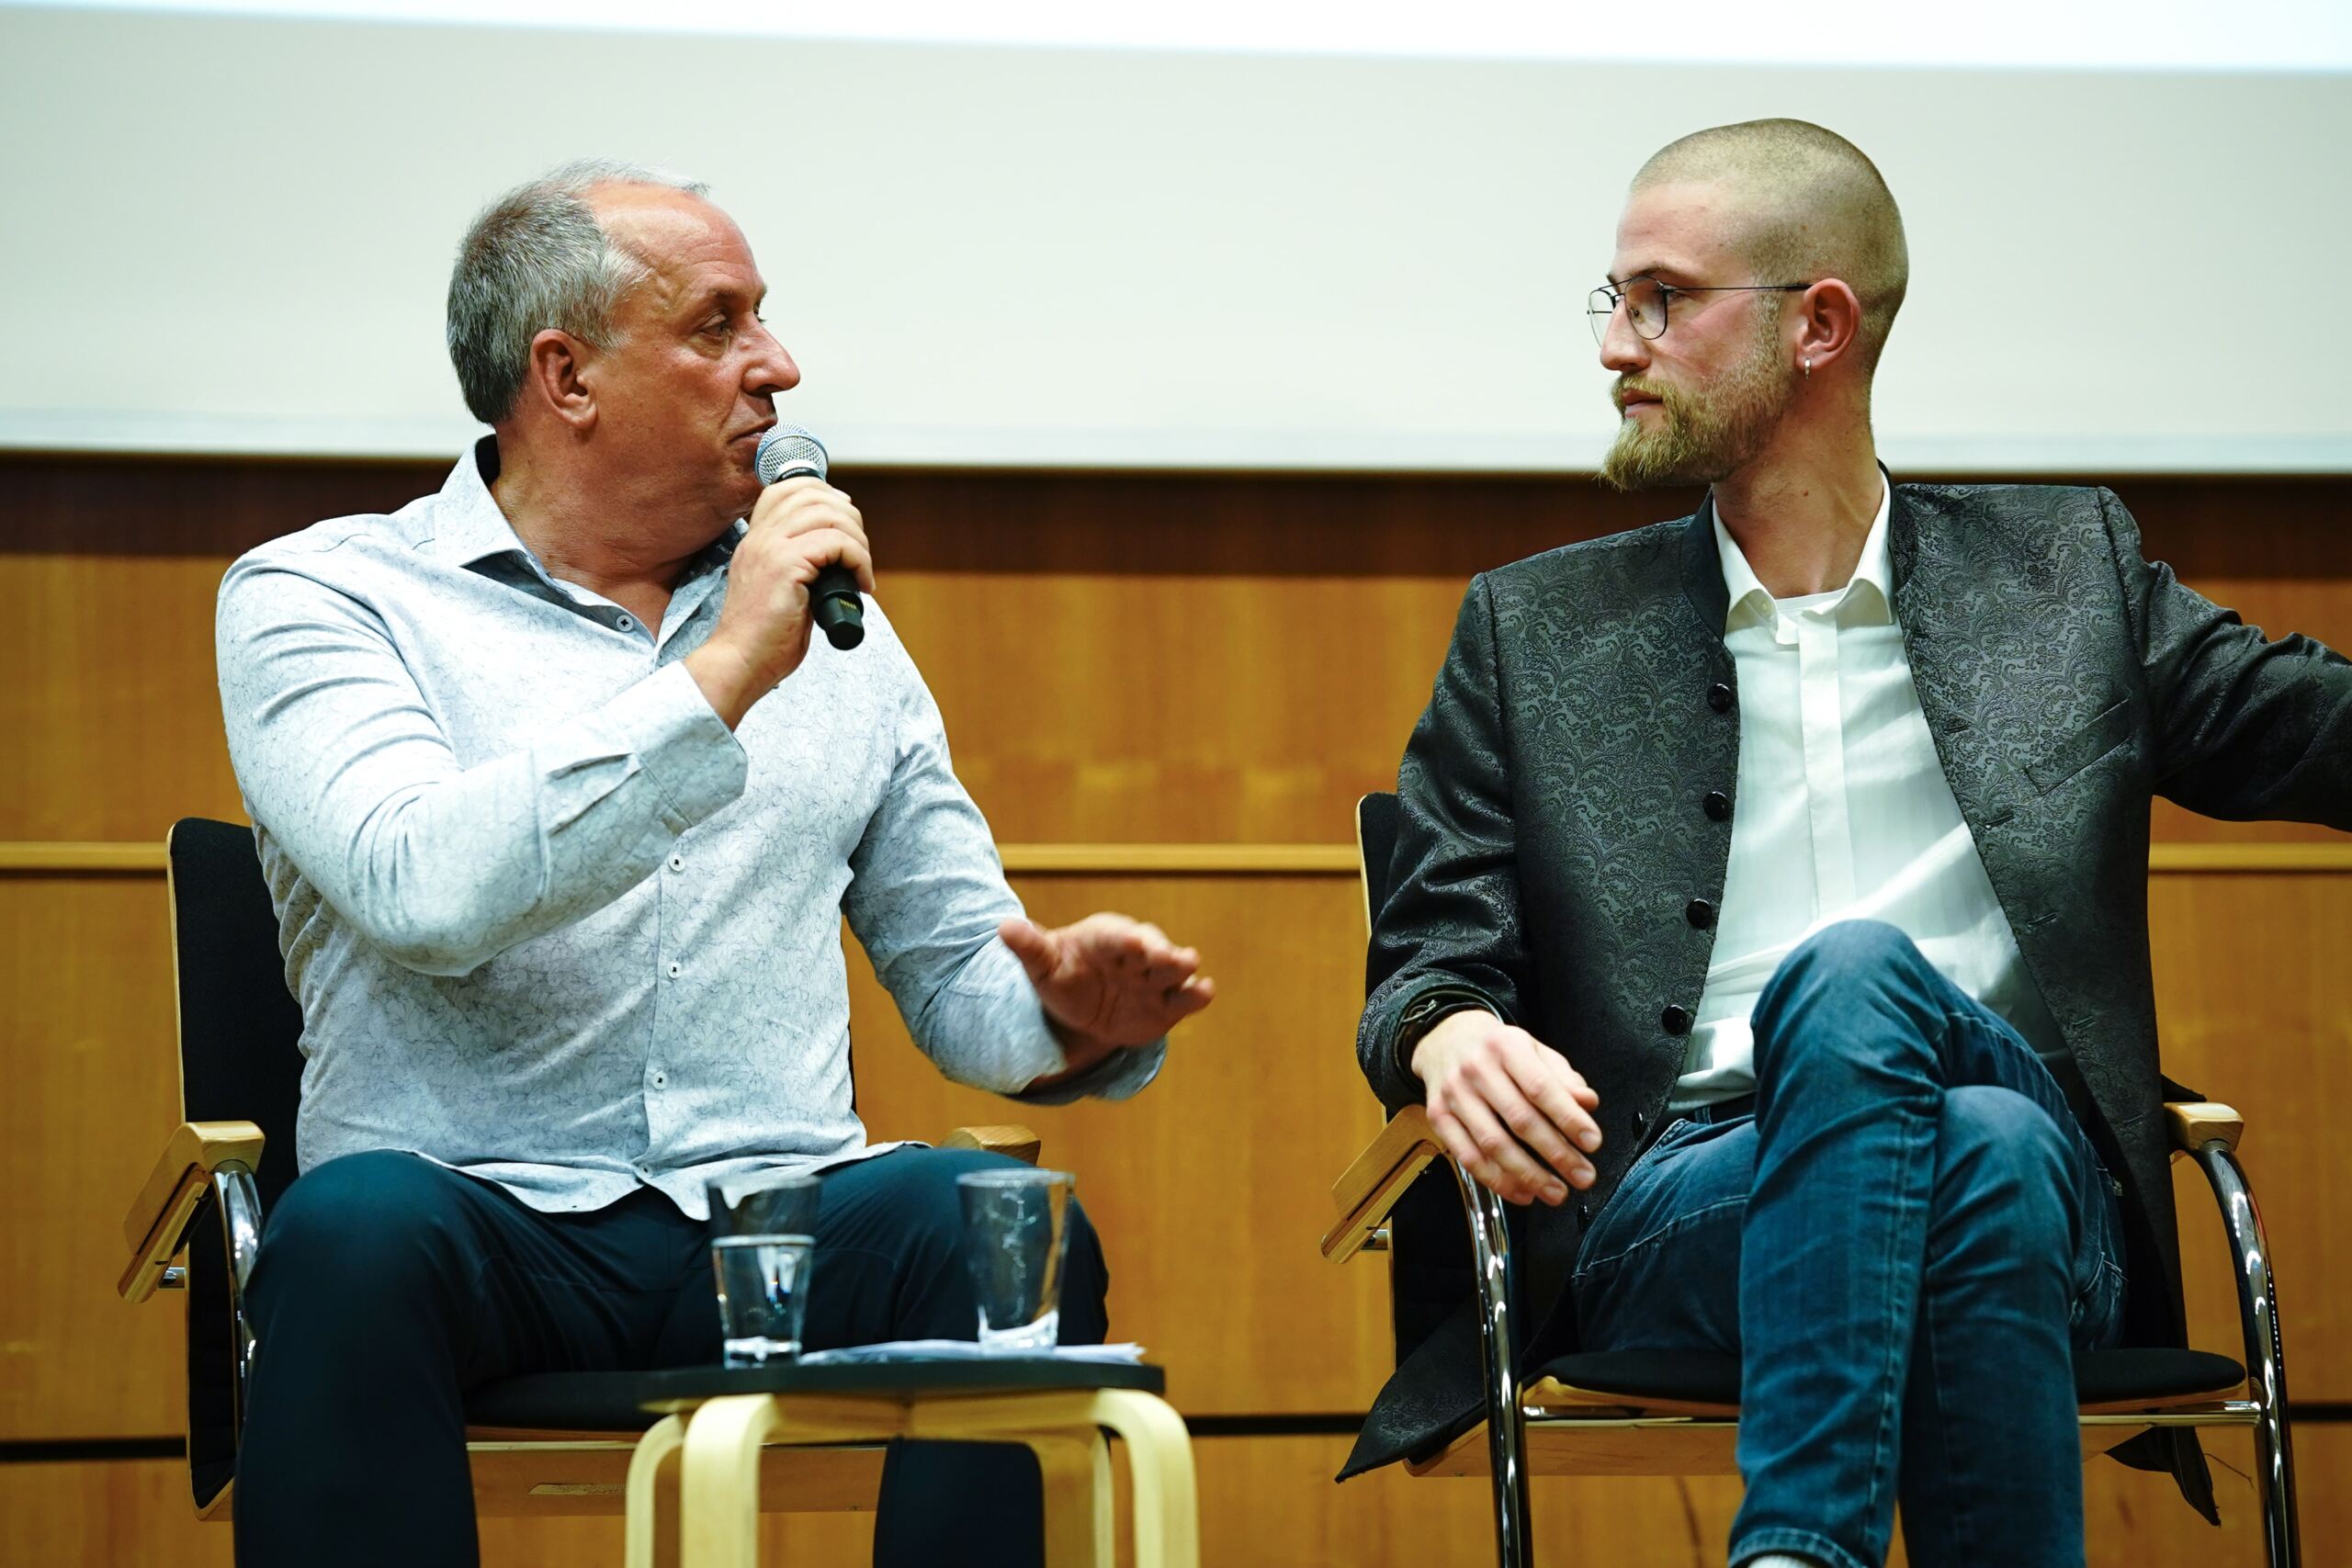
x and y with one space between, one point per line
1905 1243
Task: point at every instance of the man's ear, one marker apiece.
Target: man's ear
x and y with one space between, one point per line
558 378
1829 324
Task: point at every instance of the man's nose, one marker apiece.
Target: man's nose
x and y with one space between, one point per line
1621 348
771 370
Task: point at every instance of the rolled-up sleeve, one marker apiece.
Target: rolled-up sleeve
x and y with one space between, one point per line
442 865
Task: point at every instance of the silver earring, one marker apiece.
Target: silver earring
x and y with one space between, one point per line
1808 367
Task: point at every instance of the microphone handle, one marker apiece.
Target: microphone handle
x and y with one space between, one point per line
839 612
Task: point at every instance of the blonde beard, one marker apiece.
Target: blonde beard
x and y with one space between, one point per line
1702 437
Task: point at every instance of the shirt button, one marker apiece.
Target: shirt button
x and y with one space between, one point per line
1718 805
677 863
659 1080
1699 913
676 969
628 625
1676 1019
1718 697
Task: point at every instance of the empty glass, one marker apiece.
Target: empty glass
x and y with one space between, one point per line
762 1238
1016 1234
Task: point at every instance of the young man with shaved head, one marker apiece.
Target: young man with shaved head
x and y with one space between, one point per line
1769 905
563 809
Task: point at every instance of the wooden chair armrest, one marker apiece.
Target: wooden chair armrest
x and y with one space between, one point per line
1389 1164
2195 1124
1013 1139
160 1215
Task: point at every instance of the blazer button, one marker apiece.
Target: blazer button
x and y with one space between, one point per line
1718 697
1641 1123
1676 1019
1699 913
1584 1214
1718 805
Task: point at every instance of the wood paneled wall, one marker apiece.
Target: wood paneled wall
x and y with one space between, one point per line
1121 659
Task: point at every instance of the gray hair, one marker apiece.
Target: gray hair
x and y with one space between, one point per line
537 258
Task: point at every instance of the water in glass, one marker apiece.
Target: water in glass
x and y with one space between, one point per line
762 1295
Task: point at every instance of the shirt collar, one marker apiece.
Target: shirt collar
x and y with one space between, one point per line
1749 599
470 526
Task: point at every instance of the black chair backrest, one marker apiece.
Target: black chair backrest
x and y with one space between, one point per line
1376 847
241 1059
241 1031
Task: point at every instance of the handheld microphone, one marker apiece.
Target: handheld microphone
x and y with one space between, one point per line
786 450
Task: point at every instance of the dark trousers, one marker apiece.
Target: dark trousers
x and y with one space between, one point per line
387 1286
1905 1243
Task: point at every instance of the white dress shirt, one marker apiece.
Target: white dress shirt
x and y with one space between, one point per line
1843 813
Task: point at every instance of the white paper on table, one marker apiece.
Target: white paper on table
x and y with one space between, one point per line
968 1350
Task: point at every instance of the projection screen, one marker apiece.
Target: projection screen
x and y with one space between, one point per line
1228 237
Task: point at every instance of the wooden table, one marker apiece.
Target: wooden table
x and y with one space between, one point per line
715 1420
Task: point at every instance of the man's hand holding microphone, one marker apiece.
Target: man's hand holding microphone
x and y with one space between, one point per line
804 541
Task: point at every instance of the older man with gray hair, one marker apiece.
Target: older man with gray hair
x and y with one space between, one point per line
561 810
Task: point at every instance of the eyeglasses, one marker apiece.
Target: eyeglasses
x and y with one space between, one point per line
1646 300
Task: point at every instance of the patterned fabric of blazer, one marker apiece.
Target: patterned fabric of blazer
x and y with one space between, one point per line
1556 820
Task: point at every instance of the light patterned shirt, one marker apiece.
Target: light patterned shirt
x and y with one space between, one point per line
551 923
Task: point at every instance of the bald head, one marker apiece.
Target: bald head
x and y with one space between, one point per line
1805 205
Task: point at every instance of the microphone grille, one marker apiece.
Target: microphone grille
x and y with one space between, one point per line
788 449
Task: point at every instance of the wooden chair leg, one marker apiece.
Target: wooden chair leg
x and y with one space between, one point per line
1160 1455
718 1497
652 1467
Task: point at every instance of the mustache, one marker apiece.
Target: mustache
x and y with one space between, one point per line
1628 386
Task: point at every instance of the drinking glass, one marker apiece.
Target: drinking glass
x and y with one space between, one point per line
1016 1236
763 1295
762 1240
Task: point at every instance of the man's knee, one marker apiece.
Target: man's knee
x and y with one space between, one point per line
1852 955
1837 975
358 1227
2001 1163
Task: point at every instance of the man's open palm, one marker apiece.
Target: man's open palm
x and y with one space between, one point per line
1110 981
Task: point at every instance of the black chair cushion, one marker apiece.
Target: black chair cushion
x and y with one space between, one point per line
562 1402
2101 1377
616 1402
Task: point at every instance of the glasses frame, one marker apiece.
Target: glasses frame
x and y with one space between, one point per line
1614 293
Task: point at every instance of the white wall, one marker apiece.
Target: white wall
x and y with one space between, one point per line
233 234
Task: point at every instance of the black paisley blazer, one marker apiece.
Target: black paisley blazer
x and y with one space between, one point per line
1570 790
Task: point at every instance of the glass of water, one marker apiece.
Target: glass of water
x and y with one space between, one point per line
1016 1236
762 1242
763 1295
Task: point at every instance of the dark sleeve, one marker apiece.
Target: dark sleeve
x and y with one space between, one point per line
2245 726
1451 923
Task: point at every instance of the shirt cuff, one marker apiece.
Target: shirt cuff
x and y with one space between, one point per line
1122 1075
684 747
